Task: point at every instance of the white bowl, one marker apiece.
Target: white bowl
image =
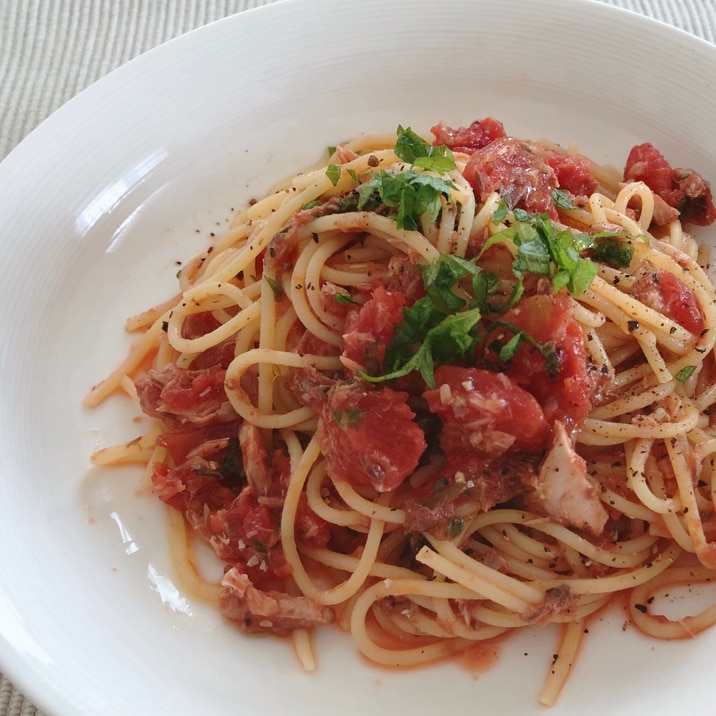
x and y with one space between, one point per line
98 204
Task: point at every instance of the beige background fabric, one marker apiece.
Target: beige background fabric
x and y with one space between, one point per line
52 49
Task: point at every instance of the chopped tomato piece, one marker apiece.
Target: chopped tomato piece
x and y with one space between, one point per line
682 189
369 436
193 396
561 378
468 139
517 170
369 329
574 173
668 294
486 412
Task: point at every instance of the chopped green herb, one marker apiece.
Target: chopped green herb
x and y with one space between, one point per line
562 199
311 204
450 341
613 251
546 250
509 350
276 287
500 213
410 193
412 148
344 298
685 373
331 151
232 469
484 284
333 172
439 327
353 175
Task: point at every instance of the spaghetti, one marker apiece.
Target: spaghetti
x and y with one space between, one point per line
436 392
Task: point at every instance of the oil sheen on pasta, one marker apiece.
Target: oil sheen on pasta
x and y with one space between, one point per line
437 390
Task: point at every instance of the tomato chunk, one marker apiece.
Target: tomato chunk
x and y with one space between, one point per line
682 189
562 378
468 139
369 436
516 170
369 329
486 412
668 294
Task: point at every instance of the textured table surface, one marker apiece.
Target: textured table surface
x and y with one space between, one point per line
51 49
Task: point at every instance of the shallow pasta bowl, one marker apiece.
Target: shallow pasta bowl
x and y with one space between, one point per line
132 176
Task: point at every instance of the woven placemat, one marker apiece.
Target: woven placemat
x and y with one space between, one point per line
52 49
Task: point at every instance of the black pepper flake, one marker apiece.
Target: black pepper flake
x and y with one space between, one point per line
633 325
165 326
641 607
314 236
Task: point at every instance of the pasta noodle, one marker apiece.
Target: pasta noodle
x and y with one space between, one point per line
437 392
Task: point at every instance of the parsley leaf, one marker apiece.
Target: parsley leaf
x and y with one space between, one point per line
500 213
508 351
410 193
685 373
562 199
438 328
333 172
546 250
412 148
275 285
447 342
613 251
344 298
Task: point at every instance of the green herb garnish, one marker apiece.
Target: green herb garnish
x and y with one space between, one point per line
276 287
333 172
345 298
438 328
613 251
685 373
563 200
412 148
546 250
410 193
